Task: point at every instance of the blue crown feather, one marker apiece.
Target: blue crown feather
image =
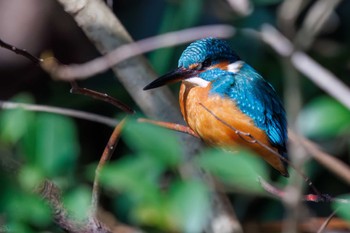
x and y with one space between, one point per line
212 48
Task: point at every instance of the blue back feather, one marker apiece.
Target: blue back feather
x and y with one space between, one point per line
255 97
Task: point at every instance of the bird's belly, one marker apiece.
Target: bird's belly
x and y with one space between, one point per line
222 131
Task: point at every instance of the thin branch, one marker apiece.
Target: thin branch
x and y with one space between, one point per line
21 52
252 139
75 88
306 65
100 96
106 155
51 193
314 21
241 7
328 161
172 126
62 111
123 52
280 194
327 221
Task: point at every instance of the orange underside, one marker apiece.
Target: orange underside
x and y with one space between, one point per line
214 132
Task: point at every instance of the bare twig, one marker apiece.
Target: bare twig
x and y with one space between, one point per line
62 111
100 96
281 194
328 161
326 222
106 155
123 52
252 139
306 65
288 12
22 52
314 21
51 193
241 7
172 126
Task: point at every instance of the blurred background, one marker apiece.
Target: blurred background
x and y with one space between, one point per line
40 26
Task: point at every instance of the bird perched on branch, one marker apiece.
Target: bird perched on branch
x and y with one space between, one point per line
227 103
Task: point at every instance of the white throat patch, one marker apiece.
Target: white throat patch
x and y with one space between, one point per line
235 67
197 81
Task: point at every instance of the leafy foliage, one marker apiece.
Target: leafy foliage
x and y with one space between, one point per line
241 169
45 146
324 117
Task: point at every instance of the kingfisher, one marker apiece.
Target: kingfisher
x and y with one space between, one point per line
218 90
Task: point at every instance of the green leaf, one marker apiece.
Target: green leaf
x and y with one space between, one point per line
27 207
190 205
324 117
136 176
57 147
30 177
240 169
78 202
342 205
154 141
14 123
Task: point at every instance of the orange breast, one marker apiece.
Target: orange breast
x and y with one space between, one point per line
214 132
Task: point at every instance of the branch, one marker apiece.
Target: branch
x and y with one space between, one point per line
314 21
100 96
171 126
280 194
106 155
124 52
328 161
21 52
51 193
62 111
306 65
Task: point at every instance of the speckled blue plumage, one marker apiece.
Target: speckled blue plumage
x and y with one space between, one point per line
201 50
253 95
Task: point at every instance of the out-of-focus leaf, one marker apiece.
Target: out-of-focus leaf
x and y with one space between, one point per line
30 177
190 206
153 213
241 169
27 207
77 202
135 176
324 117
154 141
16 226
342 205
14 123
56 144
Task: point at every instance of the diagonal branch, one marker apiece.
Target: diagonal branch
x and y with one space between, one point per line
62 111
22 52
123 52
106 155
305 64
100 96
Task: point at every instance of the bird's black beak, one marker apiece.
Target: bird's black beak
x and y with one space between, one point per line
172 77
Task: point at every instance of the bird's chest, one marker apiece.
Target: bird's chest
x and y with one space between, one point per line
205 114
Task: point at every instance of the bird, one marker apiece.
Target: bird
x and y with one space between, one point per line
218 89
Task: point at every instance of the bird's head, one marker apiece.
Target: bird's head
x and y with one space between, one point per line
198 62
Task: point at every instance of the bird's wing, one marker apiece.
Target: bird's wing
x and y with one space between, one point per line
256 98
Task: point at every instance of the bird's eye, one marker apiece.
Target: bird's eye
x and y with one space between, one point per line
206 63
